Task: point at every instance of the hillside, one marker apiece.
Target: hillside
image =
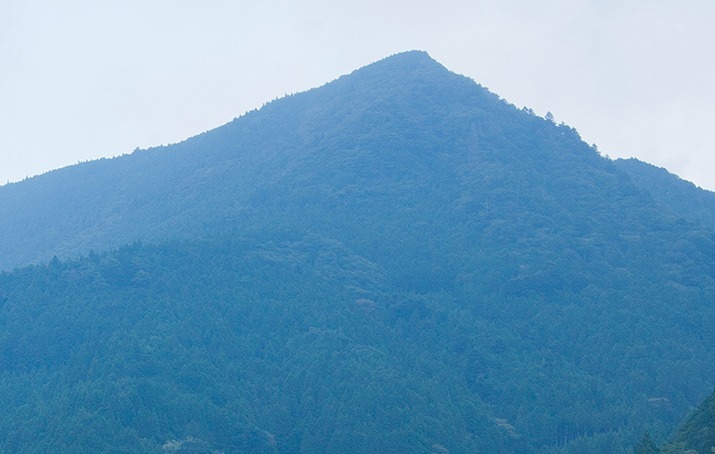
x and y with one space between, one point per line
238 347
396 261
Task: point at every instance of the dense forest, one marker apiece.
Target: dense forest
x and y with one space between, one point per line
398 261
302 346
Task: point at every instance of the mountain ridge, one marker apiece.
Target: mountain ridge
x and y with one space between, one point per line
284 127
140 169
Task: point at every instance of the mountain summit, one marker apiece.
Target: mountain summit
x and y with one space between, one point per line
189 188
397 261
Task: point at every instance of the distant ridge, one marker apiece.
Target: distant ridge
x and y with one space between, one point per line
682 197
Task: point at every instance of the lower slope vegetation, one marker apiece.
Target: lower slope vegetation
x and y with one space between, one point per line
242 345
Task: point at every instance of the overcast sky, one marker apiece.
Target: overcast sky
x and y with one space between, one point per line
82 79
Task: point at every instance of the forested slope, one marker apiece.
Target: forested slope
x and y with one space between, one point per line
230 346
403 133
396 261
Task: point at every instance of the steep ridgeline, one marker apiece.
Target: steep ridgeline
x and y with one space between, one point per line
697 434
397 261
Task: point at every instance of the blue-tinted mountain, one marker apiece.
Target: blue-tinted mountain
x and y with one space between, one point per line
393 133
397 261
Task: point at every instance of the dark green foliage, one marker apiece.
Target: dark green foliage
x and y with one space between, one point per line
398 261
227 346
646 446
303 346
697 434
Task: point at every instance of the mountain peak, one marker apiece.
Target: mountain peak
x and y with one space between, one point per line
410 56
407 78
404 62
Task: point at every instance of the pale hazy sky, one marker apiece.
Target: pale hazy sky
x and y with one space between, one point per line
82 79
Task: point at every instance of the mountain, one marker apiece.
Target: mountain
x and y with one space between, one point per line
396 129
396 261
